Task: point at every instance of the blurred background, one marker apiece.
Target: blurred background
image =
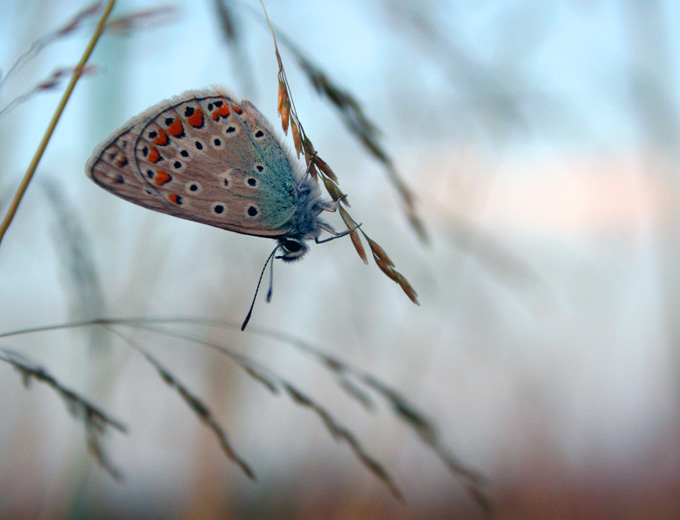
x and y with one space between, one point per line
541 142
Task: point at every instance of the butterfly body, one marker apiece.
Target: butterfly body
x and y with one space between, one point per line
208 157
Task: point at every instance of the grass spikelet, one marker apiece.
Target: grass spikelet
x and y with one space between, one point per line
296 137
97 423
354 235
195 403
366 132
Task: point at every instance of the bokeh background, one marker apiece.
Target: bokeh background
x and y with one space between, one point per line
541 140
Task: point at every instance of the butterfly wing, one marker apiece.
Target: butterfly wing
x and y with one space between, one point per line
206 157
112 166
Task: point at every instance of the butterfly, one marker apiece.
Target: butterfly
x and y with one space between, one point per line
209 157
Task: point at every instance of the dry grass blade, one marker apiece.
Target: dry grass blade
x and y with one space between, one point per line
265 380
417 223
423 426
38 45
284 111
296 137
366 130
195 403
355 391
282 96
324 167
343 372
406 287
30 171
259 373
333 189
49 83
273 381
125 24
492 254
474 482
142 19
75 255
354 235
341 433
350 111
387 266
226 19
379 252
96 421
359 125
231 30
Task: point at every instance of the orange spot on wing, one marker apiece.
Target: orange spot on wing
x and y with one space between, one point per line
176 129
237 109
154 156
174 198
162 138
222 111
196 119
162 178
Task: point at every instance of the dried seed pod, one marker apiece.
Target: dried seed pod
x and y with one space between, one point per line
314 172
407 288
379 252
386 268
333 190
356 241
323 166
282 95
296 137
354 235
308 146
285 114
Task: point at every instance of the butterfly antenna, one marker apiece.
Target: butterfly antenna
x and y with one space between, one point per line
271 281
264 267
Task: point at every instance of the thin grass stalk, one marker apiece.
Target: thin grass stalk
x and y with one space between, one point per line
77 73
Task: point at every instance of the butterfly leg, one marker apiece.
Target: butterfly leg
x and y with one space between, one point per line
335 233
332 206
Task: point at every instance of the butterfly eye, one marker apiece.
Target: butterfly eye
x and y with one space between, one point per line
293 249
291 246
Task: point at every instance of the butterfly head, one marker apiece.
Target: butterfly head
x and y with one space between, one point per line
305 223
293 249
